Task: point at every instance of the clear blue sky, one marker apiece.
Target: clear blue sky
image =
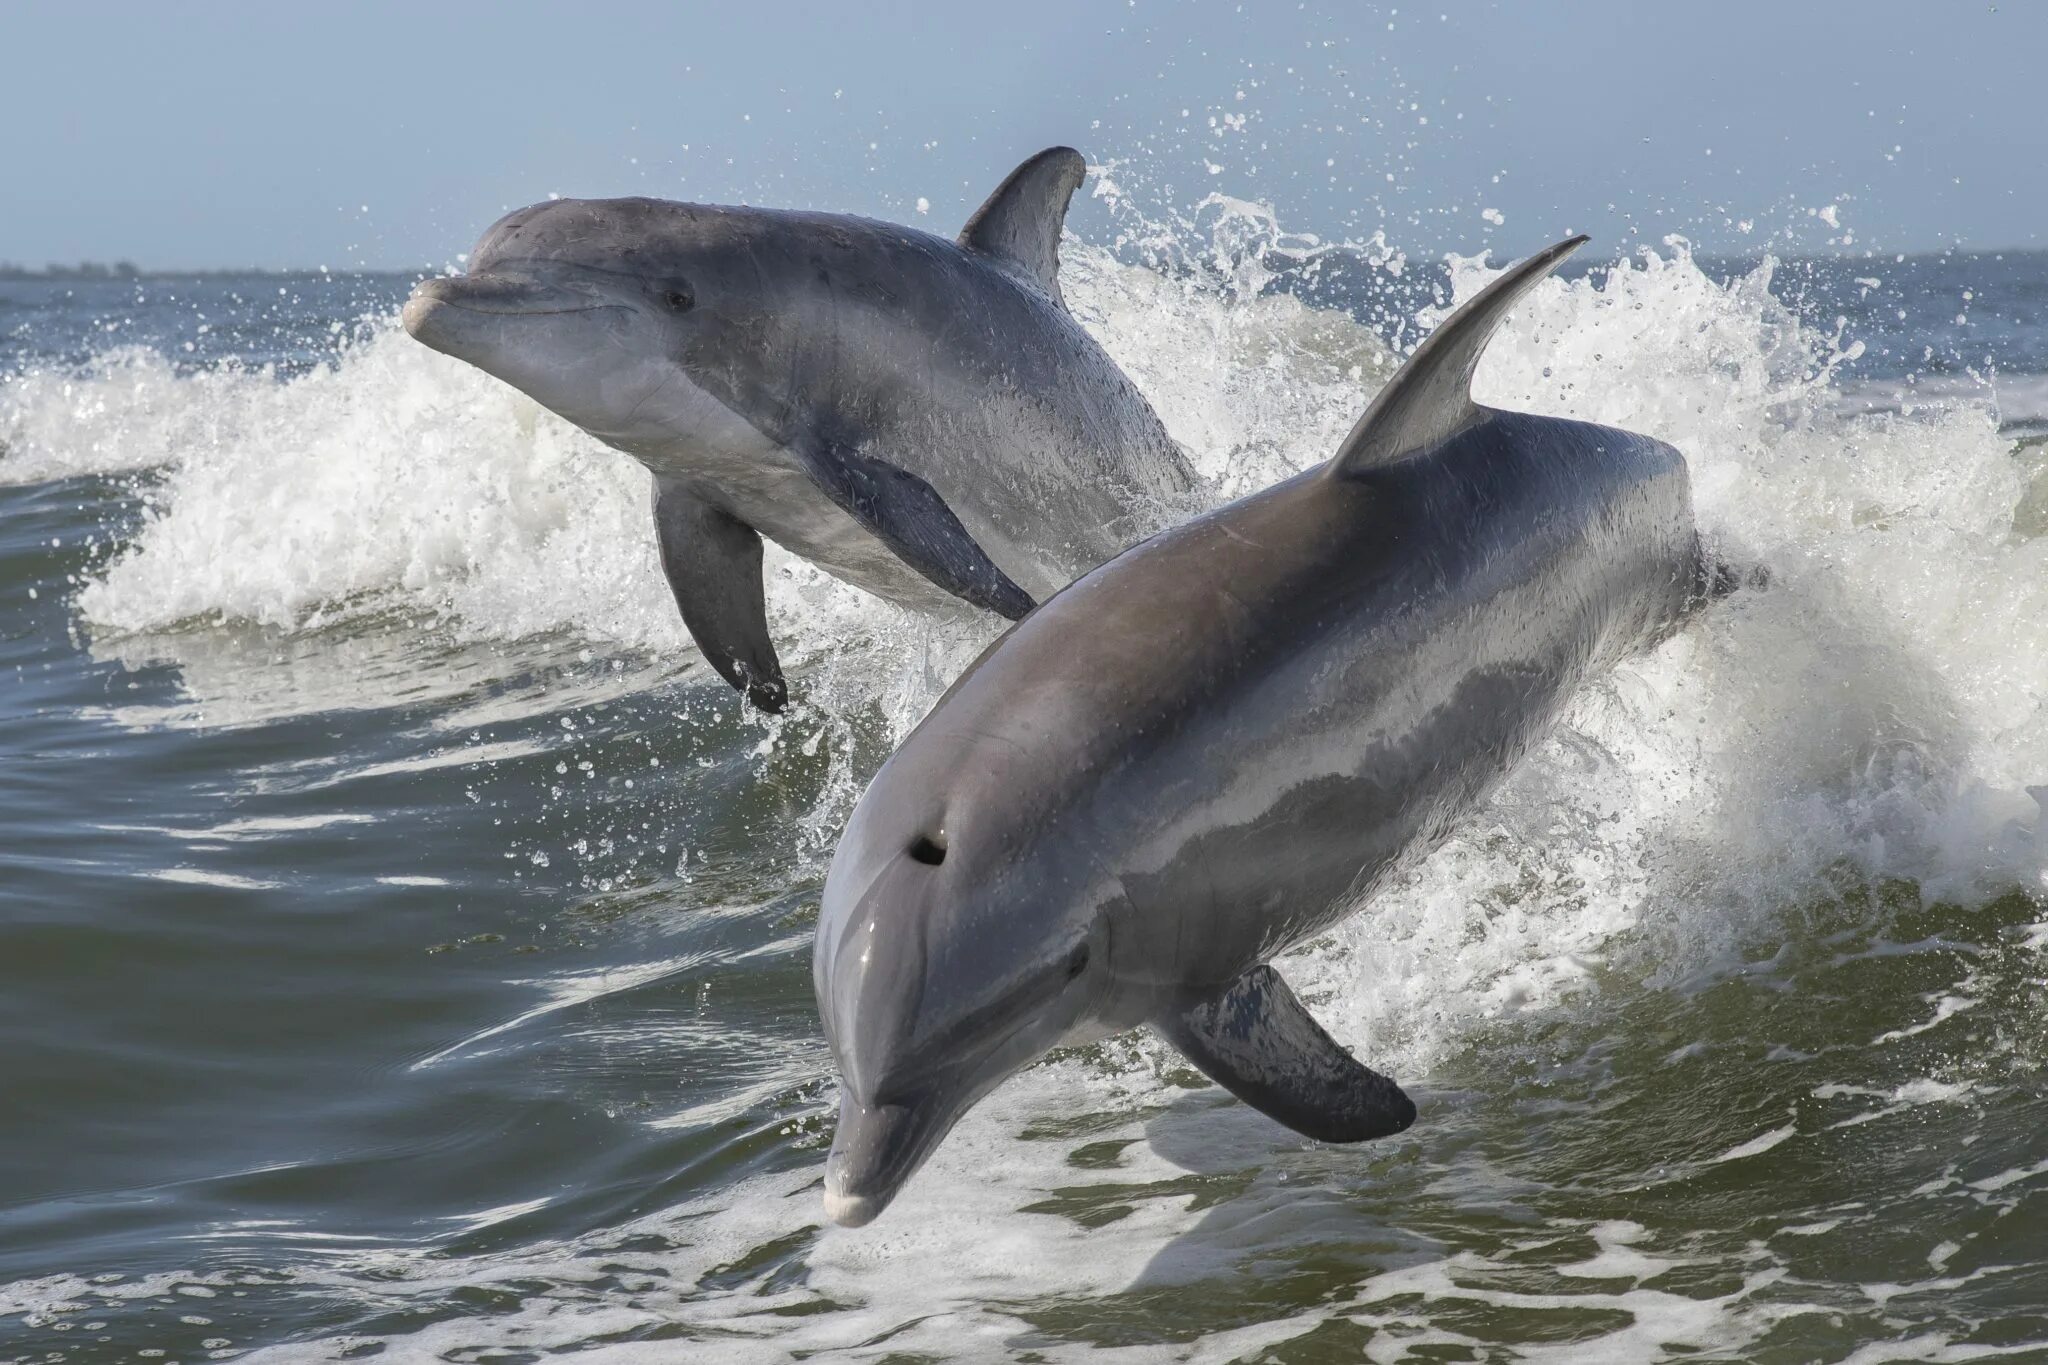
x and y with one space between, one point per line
378 134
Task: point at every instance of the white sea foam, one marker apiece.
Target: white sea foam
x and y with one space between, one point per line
194 876
560 993
1761 1143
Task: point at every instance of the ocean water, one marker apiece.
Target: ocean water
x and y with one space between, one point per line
406 937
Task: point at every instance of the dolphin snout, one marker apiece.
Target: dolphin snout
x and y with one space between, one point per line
428 298
507 295
449 311
877 1148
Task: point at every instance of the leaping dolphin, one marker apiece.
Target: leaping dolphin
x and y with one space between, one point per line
1219 744
920 417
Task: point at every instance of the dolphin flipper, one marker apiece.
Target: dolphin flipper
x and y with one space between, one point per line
908 515
713 564
1257 1042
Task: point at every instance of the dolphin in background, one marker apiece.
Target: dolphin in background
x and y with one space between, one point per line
920 417
1219 744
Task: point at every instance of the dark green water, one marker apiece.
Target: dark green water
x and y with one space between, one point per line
407 942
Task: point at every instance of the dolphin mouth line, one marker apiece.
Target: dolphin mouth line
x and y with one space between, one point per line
522 312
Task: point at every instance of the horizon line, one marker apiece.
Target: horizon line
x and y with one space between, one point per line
100 272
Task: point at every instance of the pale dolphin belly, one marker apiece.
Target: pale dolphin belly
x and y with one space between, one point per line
686 435
782 503
766 488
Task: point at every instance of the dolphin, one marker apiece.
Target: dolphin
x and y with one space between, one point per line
922 418
1221 743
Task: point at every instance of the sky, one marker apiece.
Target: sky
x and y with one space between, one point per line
380 135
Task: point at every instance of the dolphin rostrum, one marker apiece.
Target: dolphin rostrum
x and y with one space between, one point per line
920 417
1218 744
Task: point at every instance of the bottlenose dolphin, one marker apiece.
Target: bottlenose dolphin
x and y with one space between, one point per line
1218 744
920 417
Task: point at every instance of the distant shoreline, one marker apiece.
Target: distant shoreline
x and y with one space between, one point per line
121 272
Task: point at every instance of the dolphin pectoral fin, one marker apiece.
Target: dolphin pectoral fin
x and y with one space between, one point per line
1256 1041
908 515
713 564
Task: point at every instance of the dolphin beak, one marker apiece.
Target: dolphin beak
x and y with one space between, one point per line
876 1150
441 311
420 308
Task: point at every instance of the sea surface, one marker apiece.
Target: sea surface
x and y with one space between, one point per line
406 938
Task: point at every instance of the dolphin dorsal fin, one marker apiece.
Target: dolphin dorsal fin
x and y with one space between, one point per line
1020 223
1430 400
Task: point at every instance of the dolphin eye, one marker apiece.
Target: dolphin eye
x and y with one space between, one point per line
678 299
1077 962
